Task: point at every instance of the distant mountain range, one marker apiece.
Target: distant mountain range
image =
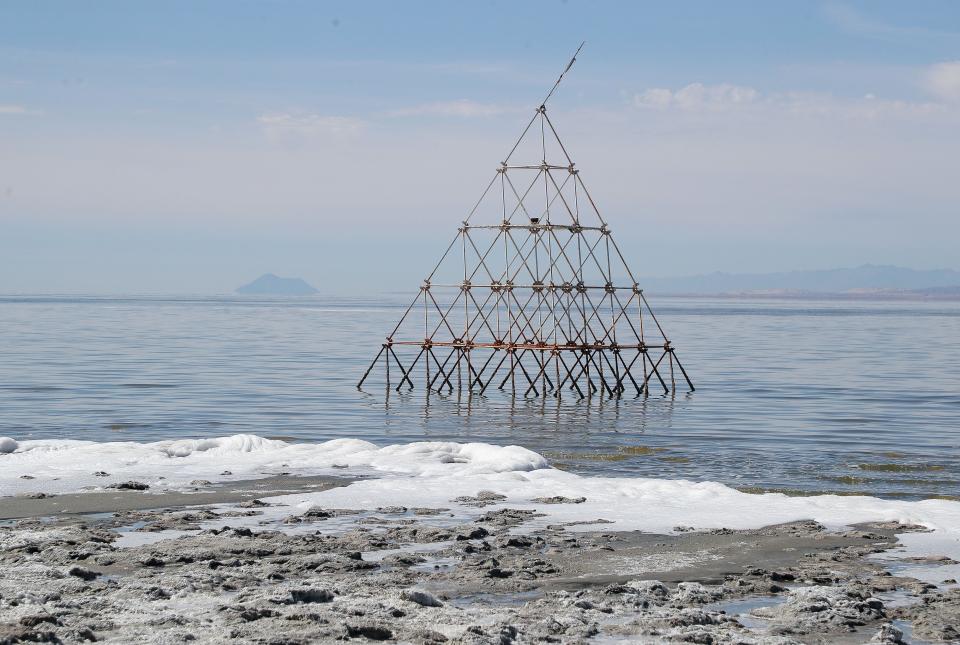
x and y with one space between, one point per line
868 279
271 285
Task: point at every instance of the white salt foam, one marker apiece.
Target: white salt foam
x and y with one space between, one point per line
59 466
432 474
654 505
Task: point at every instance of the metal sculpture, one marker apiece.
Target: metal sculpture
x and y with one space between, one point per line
533 294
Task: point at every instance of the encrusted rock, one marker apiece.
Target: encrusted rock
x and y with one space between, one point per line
483 498
421 598
129 485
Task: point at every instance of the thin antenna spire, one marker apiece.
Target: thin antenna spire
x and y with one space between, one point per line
565 70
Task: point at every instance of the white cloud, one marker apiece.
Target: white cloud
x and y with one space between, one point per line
285 123
729 99
943 80
867 108
459 108
697 96
16 109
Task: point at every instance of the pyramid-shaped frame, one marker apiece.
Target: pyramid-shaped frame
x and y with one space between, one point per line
532 295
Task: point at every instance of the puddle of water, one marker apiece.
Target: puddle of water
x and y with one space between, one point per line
932 573
741 608
510 599
431 565
908 636
416 549
435 565
99 517
926 545
129 536
898 598
898 563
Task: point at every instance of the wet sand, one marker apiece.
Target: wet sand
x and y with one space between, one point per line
136 572
110 501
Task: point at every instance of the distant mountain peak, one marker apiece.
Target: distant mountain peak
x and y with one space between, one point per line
272 285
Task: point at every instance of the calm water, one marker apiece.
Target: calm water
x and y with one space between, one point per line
794 396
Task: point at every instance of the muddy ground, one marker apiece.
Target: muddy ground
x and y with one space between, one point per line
216 574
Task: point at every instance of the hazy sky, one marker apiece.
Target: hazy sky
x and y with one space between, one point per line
191 146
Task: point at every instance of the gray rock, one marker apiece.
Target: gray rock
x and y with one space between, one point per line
820 609
483 498
373 632
311 595
421 598
83 574
129 485
889 635
559 499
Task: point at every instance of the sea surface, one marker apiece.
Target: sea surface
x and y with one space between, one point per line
848 397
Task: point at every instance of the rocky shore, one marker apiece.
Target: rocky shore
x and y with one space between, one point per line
224 572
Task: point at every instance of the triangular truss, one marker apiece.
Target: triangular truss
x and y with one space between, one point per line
532 295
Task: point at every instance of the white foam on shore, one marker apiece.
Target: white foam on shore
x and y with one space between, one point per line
432 474
654 505
60 466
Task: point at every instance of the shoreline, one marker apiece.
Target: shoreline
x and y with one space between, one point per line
241 568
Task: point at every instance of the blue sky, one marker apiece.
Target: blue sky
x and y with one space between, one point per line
190 146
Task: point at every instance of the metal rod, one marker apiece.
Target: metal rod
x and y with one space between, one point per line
370 369
563 73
